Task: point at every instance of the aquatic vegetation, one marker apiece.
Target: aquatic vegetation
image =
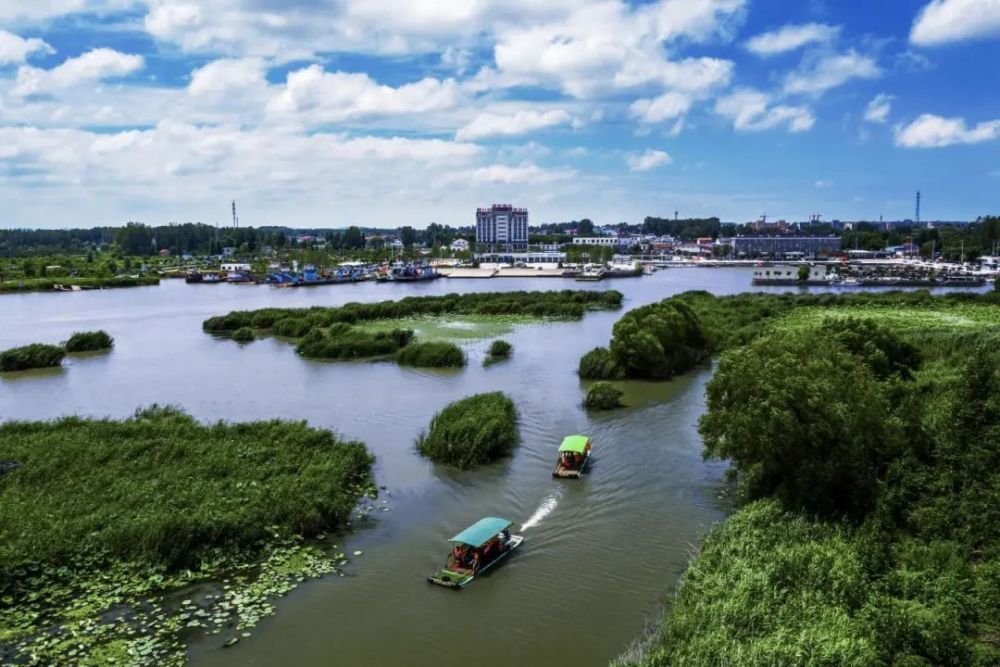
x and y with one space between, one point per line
89 341
244 335
655 341
598 364
871 445
103 518
499 350
472 431
603 396
432 354
36 355
343 342
47 284
568 304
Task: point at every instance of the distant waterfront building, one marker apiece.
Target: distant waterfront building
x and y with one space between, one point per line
459 245
778 246
502 227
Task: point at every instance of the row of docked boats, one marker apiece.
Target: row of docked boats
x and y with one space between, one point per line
489 541
311 276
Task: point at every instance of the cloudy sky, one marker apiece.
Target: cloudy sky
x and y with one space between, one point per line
391 112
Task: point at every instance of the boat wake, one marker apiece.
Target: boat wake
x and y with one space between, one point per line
544 509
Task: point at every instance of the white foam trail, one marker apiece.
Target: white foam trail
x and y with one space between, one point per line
544 509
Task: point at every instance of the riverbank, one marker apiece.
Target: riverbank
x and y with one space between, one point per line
863 544
74 284
103 524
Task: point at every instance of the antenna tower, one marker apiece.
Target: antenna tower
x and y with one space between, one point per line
918 208
236 221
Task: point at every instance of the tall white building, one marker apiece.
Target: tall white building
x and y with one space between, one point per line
502 227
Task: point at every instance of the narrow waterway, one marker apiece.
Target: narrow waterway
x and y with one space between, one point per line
599 555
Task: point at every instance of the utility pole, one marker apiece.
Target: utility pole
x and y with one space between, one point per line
236 221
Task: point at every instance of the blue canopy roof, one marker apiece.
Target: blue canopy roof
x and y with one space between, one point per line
481 531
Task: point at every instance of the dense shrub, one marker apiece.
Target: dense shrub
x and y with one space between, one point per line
293 327
472 431
89 341
598 364
344 342
603 396
161 488
244 335
658 341
500 349
571 304
36 355
433 354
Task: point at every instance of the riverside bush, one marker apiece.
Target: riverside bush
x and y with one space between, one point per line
598 364
500 349
162 489
603 396
433 354
472 431
343 342
570 304
244 335
89 341
36 355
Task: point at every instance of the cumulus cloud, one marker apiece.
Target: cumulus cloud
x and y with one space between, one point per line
667 106
521 122
944 21
526 173
14 49
751 111
878 108
317 96
646 160
930 131
789 38
830 71
95 65
224 77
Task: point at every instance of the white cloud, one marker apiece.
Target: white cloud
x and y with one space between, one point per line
521 122
648 159
823 184
36 10
944 21
15 49
831 71
313 95
225 77
94 65
930 131
790 37
878 108
667 106
751 111
526 173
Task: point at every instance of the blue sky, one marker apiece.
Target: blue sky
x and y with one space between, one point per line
392 112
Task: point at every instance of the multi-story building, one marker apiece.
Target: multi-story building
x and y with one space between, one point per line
779 246
502 227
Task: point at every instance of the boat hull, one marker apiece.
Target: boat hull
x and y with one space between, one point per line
567 473
459 580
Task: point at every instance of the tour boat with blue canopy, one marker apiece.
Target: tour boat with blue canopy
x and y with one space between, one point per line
476 549
574 454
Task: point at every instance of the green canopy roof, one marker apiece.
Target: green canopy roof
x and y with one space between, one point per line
481 531
574 443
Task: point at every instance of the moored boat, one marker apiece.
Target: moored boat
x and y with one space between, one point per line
574 455
476 549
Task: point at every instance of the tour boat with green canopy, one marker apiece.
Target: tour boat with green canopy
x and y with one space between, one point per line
574 454
476 549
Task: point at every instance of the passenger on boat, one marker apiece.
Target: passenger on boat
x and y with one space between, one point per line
567 460
475 561
579 460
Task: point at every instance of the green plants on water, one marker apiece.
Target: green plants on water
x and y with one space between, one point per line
36 355
89 341
432 354
603 396
499 350
244 335
472 431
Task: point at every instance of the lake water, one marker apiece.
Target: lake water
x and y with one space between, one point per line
600 553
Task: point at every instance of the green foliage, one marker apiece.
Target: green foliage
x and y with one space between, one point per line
36 355
603 396
598 364
500 349
162 489
343 342
244 335
803 273
472 431
88 341
432 354
571 304
658 341
806 423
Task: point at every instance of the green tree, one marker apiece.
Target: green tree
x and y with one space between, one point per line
408 236
807 423
803 273
353 238
658 340
134 239
585 227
